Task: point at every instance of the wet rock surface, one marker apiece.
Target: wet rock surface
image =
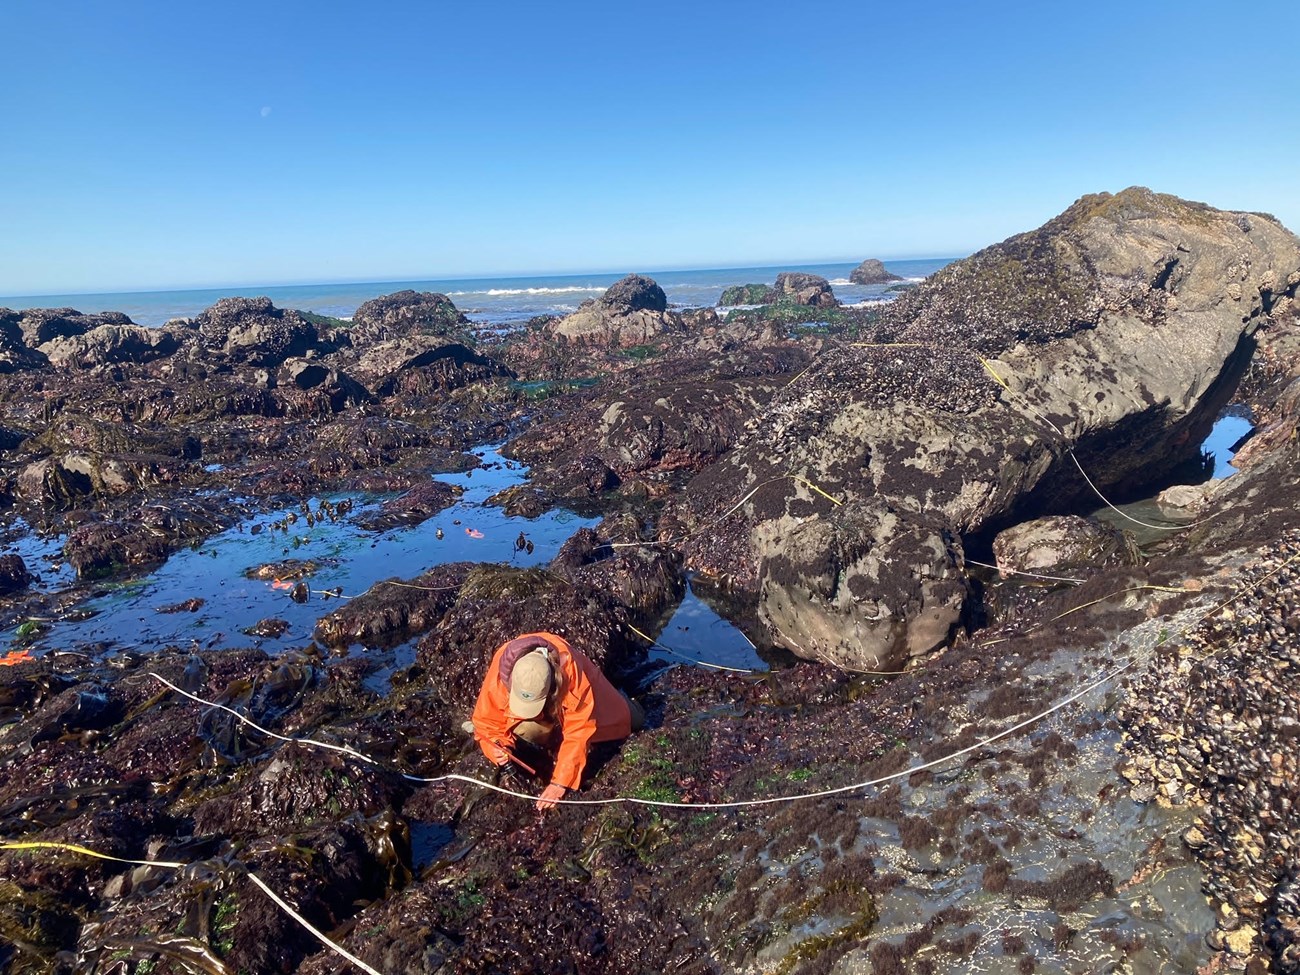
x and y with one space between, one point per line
1215 724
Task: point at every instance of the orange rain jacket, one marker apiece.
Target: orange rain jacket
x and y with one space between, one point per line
589 709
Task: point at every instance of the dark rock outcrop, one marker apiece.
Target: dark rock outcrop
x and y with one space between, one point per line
1117 331
414 507
143 536
406 313
10 438
673 416
40 325
254 331
421 363
15 355
497 603
634 293
805 289
638 573
872 271
13 574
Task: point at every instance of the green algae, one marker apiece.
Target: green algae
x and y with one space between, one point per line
856 930
747 294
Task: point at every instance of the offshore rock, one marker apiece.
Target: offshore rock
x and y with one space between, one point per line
406 313
635 293
632 312
749 294
1105 332
254 331
805 289
872 271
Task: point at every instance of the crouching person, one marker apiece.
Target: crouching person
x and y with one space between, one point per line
540 689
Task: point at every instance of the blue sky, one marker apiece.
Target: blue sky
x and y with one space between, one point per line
152 145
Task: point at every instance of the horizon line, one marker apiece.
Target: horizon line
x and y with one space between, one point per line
505 276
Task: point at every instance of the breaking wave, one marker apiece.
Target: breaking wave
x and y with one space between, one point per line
508 292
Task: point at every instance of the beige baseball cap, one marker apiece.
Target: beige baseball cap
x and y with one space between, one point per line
530 683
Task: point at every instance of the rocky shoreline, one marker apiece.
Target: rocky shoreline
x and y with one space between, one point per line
832 470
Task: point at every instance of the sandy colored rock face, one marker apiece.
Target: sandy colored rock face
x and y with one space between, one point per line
1061 542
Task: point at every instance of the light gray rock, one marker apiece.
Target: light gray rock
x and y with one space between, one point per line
633 311
107 344
1061 543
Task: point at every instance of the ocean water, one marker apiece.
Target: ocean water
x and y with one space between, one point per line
489 301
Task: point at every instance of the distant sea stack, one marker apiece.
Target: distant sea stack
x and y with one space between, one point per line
791 286
871 271
632 312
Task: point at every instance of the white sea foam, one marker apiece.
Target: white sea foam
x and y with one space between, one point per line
840 281
506 292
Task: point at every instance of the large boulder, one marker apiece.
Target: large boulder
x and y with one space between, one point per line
748 294
406 312
40 325
1062 543
864 588
872 271
1113 334
14 352
254 331
632 312
112 343
805 289
447 365
635 293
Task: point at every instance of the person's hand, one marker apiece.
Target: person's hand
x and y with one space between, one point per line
550 795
